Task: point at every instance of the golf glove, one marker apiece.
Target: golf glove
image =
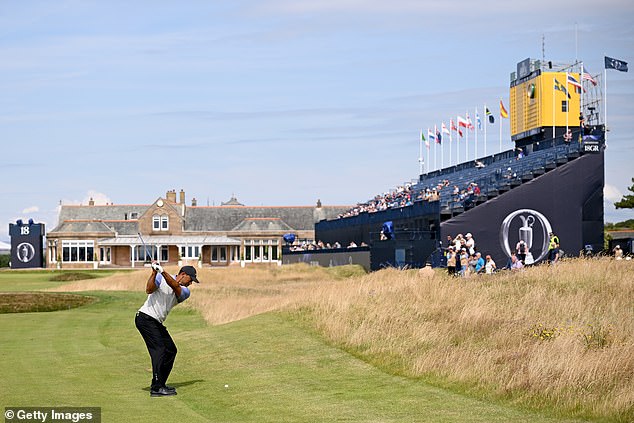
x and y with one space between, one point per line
157 267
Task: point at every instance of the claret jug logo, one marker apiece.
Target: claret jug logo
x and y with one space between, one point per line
530 226
25 252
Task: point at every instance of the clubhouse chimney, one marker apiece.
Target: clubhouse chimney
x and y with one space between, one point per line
182 196
171 196
194 202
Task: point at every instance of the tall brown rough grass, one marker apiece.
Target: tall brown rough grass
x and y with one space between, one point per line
529 336
559 338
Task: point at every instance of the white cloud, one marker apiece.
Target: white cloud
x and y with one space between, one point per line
98 197
612 193
31 209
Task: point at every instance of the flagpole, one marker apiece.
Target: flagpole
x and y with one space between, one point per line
567 103
457 141
466 156
486 118
450 142
420 154
605 104
581 94
442 149
477 116
501 119
435 154
554 94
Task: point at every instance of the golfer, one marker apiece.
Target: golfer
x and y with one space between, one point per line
164 292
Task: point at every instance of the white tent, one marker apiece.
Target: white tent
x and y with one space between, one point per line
5 248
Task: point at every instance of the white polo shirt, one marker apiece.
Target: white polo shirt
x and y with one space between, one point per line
163 299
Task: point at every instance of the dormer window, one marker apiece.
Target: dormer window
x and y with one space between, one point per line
160 222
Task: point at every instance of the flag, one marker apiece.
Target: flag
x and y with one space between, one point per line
619 65
431 135
444 129
469 123
438 136
586 75
503 112
462 122
452 125
478 121
490 115
573 81
558 86
422 138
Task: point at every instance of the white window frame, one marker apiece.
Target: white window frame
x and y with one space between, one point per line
261 250
160 222
77 245
190 252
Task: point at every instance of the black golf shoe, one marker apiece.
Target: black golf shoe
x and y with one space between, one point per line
162 392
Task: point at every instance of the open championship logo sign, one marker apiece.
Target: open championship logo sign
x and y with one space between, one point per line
532 227
25 252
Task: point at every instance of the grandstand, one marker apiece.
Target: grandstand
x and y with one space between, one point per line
555 185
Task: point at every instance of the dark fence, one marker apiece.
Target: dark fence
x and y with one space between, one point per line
329 257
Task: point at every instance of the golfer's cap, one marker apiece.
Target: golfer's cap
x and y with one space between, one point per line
189 271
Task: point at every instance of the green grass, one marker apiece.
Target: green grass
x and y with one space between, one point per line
277 371
37 280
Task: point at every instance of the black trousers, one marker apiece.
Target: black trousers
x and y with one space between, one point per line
160 346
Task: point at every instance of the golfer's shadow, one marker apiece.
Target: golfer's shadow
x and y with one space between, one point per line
179 384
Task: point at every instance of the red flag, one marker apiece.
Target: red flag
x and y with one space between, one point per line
503 111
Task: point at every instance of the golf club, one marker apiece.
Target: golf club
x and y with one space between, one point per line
148 257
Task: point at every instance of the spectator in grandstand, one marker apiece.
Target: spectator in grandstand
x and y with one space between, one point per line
520 251
618 252
456 190
451 261
516 263
479 164
489 266
352 245
336 245
553 248
568 136
520 154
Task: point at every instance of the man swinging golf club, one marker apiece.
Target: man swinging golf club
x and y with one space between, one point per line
164 292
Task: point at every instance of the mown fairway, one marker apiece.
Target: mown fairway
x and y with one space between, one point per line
275 369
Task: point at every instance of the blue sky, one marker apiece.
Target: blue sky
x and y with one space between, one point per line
279 102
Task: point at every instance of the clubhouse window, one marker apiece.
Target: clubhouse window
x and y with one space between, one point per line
78 251
190 252
160 223
261 250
